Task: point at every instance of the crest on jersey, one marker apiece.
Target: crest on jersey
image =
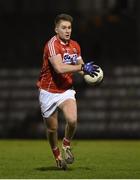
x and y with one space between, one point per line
75 50
63 49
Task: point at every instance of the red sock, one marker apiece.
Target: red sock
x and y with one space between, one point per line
56 152
66 142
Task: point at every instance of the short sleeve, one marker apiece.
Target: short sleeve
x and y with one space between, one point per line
53 48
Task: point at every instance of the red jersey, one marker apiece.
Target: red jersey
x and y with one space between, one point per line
49 79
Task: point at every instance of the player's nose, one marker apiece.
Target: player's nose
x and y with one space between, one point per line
67 30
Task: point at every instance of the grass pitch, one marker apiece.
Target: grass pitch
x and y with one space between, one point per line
94 159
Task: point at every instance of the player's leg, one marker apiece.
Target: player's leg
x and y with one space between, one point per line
69 109
51 130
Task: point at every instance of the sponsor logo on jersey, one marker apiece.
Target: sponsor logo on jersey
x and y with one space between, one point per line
70 58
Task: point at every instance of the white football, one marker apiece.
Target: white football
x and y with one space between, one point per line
95 79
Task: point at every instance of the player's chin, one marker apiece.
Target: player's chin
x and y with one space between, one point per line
67 38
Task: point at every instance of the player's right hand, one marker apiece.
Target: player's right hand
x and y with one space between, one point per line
90 68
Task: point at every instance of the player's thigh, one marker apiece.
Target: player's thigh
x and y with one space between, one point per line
69 109
52 121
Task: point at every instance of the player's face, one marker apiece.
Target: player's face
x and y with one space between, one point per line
63 30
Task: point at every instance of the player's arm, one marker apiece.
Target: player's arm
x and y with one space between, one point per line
80 61
60 67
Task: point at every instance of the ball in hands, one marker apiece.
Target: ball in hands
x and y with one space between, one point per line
95 79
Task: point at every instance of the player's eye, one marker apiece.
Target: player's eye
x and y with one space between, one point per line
64 27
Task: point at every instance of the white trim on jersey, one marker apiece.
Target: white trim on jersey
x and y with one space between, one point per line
51 46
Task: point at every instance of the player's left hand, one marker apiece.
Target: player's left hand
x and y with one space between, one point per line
90 68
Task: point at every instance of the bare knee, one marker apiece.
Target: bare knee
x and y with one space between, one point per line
52 129
72 123
51 123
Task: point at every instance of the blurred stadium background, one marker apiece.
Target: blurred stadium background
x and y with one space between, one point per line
108 32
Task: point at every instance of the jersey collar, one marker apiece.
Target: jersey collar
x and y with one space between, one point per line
61 42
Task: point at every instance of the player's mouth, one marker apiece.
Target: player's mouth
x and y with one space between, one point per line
67 36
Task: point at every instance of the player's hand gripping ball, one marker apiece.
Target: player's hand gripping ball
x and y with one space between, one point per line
95 78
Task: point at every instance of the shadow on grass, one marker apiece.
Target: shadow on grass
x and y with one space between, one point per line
52 168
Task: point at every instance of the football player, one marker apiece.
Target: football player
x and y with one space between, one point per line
61 58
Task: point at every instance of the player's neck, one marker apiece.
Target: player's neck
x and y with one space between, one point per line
63 41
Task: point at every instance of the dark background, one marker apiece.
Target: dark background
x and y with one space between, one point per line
109 34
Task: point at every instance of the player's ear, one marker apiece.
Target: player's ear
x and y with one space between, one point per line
56 29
